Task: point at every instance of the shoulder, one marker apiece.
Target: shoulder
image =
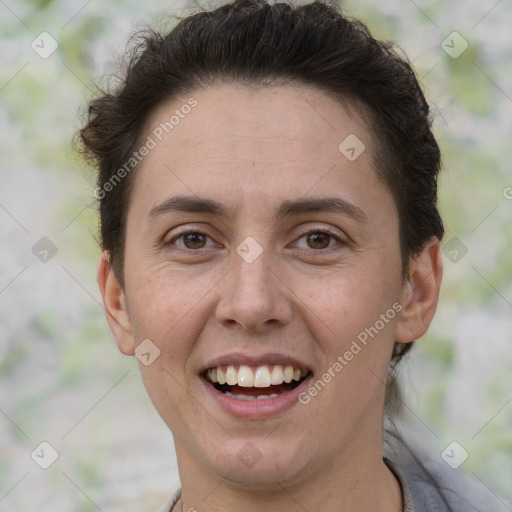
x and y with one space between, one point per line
435 487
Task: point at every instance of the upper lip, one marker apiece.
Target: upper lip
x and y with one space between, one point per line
255 360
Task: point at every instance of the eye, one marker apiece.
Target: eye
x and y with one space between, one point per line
319 240
191 240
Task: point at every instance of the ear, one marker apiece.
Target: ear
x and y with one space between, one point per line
115 306
420 293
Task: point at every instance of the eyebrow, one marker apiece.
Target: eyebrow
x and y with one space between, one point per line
191 204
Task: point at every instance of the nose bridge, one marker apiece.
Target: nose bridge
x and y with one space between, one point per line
252 294
253 277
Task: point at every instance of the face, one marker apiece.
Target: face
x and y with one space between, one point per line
258 251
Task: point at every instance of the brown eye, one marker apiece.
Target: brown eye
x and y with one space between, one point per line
189 241
318 240
194 240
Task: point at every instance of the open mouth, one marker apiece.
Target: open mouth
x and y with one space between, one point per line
255 383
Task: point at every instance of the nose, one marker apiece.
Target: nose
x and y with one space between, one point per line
253 296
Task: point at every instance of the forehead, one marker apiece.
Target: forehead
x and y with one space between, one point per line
231 118
260 144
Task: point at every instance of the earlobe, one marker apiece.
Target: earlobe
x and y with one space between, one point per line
116 310
420 293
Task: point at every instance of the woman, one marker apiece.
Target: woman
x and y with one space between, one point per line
271 249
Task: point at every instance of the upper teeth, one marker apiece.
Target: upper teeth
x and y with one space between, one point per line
258 377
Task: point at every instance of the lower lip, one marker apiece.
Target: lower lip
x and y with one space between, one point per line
256 409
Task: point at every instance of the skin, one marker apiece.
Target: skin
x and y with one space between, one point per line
251 150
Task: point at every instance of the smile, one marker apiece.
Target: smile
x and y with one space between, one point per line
250 383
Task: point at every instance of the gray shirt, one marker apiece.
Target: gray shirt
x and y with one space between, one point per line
432 486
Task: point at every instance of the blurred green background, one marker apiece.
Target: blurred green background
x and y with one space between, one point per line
62 379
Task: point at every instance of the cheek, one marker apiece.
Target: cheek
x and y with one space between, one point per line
164 306
348 300
168 308
354 339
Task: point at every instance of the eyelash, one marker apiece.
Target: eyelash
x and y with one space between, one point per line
197 232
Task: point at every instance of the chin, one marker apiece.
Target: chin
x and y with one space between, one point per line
258 463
